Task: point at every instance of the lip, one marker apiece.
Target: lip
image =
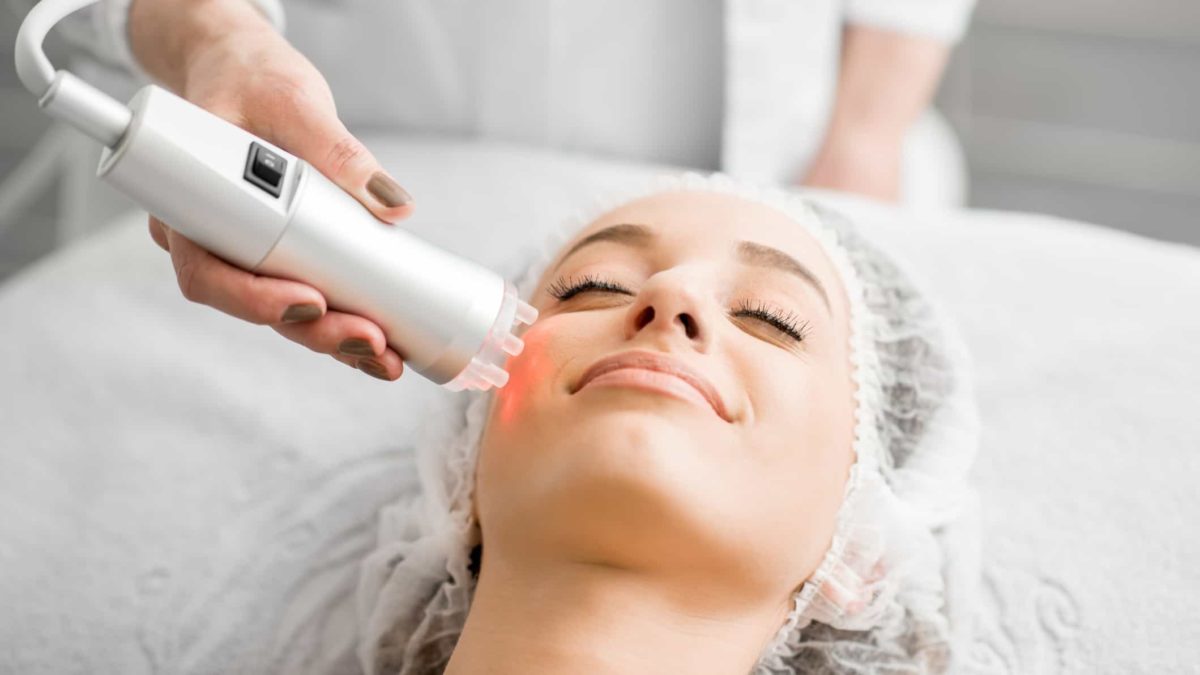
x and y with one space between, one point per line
661 363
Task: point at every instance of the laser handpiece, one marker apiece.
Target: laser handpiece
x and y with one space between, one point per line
269 212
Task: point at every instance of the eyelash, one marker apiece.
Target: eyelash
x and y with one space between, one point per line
565 288
786 322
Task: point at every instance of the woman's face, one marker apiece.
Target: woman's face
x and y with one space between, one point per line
733 466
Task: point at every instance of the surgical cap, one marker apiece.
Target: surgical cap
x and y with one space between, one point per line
894 590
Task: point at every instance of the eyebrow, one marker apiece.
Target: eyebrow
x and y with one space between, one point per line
637 236
765 256
748 252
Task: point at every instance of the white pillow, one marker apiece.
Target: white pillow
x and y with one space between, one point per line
182 492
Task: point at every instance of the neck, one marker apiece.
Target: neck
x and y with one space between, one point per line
573 617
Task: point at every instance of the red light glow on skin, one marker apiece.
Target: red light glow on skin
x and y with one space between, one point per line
531 366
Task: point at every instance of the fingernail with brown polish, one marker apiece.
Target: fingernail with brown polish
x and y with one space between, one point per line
387 191
373 368
356 347
304 312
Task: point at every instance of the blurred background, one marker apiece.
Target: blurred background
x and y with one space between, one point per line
1086 109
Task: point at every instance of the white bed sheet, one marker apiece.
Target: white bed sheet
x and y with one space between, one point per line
181 492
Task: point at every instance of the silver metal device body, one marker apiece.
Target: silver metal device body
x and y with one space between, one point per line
450 319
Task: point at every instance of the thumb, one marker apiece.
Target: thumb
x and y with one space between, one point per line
318 137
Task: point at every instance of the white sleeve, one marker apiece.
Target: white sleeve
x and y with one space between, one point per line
944 20
102 29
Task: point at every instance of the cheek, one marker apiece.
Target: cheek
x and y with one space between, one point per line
511 432
531 368
810 423
536 379
803 437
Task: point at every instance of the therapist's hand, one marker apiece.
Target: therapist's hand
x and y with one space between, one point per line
886 79
860 162
224 57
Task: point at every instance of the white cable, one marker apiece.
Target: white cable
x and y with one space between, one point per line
33 67
60 93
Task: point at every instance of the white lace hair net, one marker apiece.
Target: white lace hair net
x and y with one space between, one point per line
892 594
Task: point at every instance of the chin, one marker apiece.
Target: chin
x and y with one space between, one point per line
616 486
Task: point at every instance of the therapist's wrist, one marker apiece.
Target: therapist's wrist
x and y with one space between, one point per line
166 36
853 127
863 160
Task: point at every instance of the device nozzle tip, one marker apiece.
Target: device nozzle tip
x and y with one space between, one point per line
512 345
526 314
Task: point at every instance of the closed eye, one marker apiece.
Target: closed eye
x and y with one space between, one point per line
566 288
786 322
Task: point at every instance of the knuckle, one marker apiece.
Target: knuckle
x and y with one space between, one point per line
259 308
274 103
259 313
317 348
287 94
256 307
344 153
309 339
189 283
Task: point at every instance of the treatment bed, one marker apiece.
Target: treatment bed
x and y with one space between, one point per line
181 492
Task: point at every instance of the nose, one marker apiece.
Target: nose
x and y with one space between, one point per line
670 306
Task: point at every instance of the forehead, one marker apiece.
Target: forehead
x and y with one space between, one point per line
711 224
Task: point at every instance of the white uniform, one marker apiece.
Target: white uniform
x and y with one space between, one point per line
746 86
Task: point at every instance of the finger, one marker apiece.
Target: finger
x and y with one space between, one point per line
337 333
372 366
349 338
206 279
311 130
386 366
158 232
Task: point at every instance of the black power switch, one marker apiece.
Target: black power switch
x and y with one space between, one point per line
265 169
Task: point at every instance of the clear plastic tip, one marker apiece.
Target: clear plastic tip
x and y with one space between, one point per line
486 368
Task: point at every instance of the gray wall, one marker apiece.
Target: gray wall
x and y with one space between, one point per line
1088 109
20 126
